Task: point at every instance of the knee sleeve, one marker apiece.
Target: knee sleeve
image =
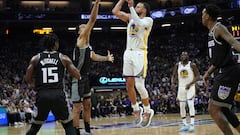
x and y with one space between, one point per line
140 85
191 107
231 117
183 109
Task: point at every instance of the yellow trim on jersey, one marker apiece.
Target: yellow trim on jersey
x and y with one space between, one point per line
145 38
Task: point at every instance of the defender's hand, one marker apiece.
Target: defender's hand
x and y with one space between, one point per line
110 57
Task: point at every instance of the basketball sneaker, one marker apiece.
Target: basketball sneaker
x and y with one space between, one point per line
183 128
138 116
147 118
191 128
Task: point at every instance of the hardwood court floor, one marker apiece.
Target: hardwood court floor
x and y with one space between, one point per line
161 125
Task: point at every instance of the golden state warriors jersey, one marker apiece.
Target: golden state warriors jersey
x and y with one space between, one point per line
137 35
185 74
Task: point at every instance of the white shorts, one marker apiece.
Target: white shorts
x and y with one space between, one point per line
184 95
135 63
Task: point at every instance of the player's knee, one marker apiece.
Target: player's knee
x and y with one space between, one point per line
87 105
231 117
130 82
141 90
76 109
182 105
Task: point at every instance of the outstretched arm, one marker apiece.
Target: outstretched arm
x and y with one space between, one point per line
97 57
92 20
120 14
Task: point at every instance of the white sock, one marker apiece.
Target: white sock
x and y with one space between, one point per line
192 120
184 121
146 109
135 107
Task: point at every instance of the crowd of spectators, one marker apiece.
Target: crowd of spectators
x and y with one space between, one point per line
164 50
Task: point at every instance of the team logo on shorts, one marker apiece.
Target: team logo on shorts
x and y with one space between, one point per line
223 92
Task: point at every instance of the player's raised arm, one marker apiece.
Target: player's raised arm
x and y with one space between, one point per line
92 19
120 14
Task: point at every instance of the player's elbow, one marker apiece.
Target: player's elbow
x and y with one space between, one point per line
114 11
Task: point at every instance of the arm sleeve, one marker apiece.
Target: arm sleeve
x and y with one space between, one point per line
142 22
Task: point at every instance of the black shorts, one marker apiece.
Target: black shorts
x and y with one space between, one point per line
80 88
55 101
84 85
225 86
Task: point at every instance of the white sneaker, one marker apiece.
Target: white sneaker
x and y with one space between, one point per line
147 118
138 116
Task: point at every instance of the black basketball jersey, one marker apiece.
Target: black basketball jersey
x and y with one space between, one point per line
82 59
220 52
49 71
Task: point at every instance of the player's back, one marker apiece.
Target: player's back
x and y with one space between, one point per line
49 71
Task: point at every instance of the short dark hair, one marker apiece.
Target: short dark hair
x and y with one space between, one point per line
49 40
147 7
213 10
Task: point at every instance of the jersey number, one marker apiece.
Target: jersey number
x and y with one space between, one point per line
49 76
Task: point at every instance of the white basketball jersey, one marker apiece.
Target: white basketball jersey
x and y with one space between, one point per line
185 74
137 35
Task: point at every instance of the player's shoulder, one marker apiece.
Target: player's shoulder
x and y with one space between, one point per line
148 18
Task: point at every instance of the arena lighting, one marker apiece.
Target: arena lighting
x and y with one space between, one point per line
71 28
47 28
104 3
32 3
59 3
166 25
118 28
97 28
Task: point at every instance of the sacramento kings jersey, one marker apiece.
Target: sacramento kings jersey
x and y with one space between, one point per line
82 59
49 71
185 74
220 52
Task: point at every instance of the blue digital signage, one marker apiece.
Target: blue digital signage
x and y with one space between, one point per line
3 116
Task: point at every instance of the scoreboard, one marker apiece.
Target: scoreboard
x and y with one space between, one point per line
235 29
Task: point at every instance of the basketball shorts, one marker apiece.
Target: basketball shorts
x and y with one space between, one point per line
184 95
80 89
55 101
135 63
225 86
